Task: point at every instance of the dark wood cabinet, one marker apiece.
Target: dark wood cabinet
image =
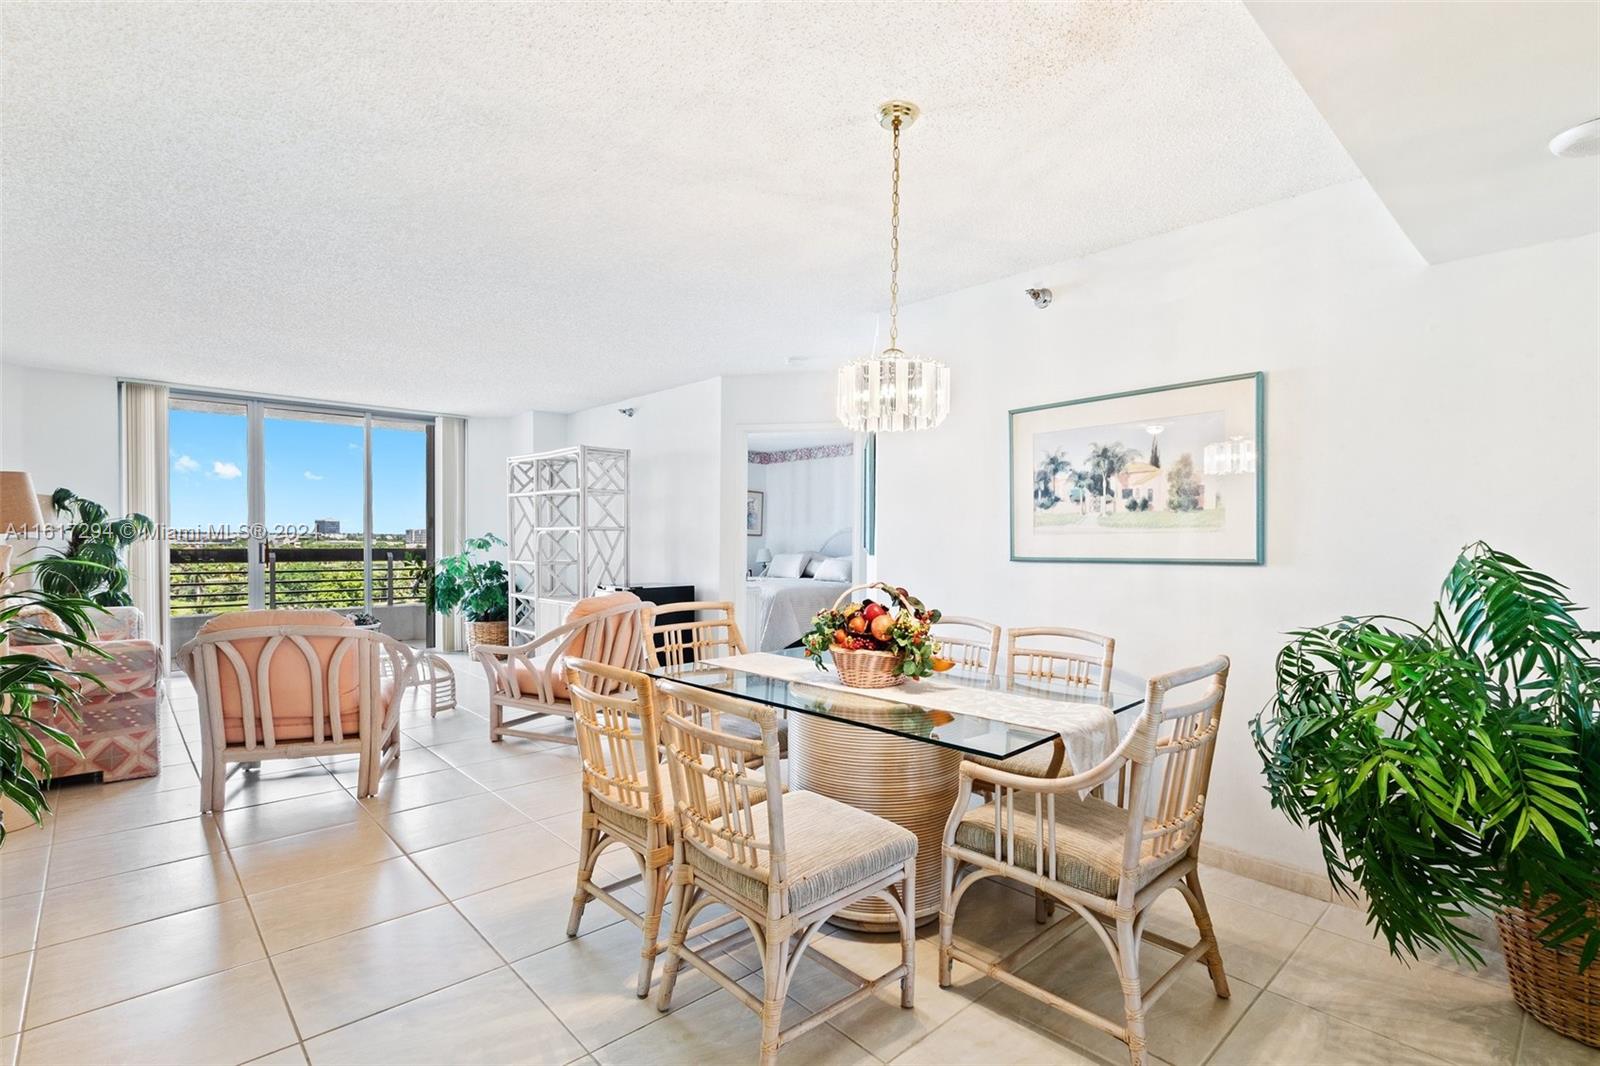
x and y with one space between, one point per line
662 594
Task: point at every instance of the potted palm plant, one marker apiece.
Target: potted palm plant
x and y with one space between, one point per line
92 566
1453 767
33 686
476 588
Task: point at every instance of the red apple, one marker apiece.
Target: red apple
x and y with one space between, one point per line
881 627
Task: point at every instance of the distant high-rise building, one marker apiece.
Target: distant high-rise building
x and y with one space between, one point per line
417 537
328 525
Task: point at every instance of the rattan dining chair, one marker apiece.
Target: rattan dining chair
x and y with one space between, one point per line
783 863
1106 861
709 630
1058 659
972 644
627 799
1050 655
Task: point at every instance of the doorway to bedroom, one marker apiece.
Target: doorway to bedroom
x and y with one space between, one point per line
802 495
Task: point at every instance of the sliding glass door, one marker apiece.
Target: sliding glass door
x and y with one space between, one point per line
288 506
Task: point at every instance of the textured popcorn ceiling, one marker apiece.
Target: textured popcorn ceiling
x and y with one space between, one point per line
489 208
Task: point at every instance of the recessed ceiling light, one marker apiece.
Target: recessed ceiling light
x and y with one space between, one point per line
1580 141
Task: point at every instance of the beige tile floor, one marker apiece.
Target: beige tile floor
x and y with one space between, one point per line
428 925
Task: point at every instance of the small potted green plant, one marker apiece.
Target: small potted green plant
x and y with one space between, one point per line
1453 767
365 620
477 589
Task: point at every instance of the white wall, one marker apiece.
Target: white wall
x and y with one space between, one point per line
1410 409
63 429
490 441
674 443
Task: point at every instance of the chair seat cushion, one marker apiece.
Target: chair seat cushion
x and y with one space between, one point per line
831 848
528 680
1089 842
1035 762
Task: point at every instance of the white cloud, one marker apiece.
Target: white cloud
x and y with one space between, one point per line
185 464
313 477
226 471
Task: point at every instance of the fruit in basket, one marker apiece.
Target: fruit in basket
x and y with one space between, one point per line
857 624
873 611
882 625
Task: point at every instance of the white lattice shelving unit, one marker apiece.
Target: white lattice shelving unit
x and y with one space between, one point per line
568 519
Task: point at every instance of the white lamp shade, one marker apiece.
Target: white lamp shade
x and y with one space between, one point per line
764 555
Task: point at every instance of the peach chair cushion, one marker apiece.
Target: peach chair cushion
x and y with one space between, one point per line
625 627
289 675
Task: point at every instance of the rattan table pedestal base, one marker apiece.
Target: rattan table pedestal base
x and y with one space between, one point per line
910 783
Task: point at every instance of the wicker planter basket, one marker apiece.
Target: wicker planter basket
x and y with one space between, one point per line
1546 981
868 669
487 633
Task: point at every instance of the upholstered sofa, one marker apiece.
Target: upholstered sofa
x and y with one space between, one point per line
119 727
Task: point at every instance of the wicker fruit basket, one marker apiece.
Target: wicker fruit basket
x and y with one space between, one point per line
498 633
868 669
871 668
1546 981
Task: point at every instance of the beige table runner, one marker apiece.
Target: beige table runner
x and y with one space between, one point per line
1088 730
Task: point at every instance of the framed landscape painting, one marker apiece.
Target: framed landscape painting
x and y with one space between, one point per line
1175 474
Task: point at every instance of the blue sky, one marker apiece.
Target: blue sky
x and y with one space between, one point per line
313 471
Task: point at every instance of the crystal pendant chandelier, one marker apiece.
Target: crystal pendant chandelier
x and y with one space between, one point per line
892 390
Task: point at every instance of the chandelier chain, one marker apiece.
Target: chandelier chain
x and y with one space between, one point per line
894 245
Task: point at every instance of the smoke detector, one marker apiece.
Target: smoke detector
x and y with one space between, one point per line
1580 141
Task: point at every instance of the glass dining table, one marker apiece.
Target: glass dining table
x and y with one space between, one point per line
890 752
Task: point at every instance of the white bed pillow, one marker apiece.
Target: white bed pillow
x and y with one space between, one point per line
834 569
787 565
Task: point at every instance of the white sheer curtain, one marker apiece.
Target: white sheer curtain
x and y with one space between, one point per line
450 511
144 489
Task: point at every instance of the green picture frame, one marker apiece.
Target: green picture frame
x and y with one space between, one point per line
1086 491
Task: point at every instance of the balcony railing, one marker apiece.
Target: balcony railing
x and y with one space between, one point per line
206 580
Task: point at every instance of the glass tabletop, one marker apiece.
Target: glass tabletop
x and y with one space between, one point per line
894 711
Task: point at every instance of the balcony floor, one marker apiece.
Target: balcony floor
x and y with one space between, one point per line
428 925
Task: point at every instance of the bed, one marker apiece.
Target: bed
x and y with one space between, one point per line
778 610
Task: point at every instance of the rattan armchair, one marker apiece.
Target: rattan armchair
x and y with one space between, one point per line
531 677
1106 861
292 684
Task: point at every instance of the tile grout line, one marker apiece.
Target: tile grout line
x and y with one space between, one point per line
23 1027
1263 989
1351 1022
449 901
255 923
